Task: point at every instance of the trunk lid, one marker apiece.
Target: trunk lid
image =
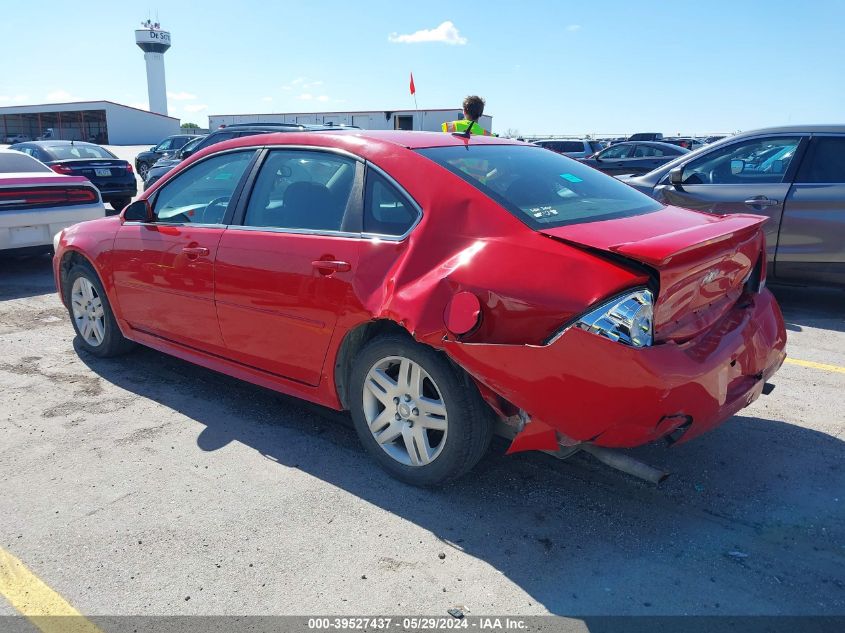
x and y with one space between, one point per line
701 261
94 169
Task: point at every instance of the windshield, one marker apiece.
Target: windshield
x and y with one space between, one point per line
541 188
70 152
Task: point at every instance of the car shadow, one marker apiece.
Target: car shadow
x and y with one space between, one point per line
822 308
22 277
577 537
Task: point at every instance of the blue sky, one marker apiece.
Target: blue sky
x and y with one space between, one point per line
566 66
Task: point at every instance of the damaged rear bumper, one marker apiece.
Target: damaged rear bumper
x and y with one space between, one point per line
584 388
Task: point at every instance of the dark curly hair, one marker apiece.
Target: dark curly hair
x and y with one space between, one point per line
473 107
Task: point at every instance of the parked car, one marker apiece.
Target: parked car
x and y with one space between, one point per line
633 157
163 165
36 203
387 274
229 132
572 147
17 138
164 149
112 176
646 136
687 142
713 139
793 175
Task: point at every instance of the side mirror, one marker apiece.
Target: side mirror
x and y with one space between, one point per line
138 211
737 166
676 176
153 148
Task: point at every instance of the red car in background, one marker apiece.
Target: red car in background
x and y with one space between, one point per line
431 283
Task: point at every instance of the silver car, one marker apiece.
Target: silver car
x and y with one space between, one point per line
572 147
794 175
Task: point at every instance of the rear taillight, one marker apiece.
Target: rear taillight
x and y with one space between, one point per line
129 169
61 169
45 197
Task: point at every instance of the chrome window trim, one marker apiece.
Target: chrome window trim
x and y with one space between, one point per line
276 229
202 226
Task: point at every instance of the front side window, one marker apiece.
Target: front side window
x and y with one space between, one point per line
301 189
542 189
617 151
386 211
201 194
752 161
825 161
164 145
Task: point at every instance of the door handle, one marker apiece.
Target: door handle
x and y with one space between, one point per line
195 251
329 266
761 201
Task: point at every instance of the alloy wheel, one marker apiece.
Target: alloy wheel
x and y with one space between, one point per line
405 411
87 308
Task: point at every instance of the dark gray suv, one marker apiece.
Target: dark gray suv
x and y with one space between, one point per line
794 175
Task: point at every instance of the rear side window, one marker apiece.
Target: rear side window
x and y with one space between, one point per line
543 189
386 211
299 189
17 162
648 151
825 161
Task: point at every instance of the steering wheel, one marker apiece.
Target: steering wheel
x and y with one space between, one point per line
207 217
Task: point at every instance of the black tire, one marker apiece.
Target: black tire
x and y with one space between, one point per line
113 342
469 419
143 168
117 204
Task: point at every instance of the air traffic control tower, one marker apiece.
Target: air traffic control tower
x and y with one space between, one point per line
154 42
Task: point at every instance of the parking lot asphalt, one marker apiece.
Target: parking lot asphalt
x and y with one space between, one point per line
143 484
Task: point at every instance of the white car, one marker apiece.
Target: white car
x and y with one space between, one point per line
17 138
36 203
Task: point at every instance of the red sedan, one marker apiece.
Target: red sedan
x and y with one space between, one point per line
432 283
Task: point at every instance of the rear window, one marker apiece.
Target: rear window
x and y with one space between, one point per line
541 188
16 162
70 152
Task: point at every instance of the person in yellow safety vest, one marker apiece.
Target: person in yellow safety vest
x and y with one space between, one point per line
473 109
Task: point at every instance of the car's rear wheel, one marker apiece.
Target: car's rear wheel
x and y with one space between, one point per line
143 168
91 314
418 416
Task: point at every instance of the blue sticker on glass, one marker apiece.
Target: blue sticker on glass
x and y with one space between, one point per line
571 178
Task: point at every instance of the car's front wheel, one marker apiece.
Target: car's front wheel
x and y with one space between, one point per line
417 415
91 313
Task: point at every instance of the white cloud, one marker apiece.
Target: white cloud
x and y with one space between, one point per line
446 33
266 99
573 27
181 96
61 96
323 98
306 96
195 107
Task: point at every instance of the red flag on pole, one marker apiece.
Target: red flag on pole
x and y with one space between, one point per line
413 88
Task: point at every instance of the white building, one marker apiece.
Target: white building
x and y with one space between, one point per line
427 120
103 122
